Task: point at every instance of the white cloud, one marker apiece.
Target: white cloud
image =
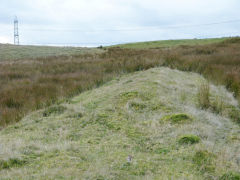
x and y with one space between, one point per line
4 40
96 15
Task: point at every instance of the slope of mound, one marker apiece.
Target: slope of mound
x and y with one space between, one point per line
145 125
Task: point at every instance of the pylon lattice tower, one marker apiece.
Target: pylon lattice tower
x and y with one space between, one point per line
16 34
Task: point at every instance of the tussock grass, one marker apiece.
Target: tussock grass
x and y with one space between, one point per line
204 96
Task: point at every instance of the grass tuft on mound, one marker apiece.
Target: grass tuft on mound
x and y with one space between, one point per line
54 110
178 118
204 161
189 139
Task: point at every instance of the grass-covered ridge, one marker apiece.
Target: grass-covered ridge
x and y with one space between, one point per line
93 134
171 43
12 52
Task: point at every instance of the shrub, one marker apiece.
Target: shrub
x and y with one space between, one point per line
189 139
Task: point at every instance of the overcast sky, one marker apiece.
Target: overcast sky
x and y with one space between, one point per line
95 22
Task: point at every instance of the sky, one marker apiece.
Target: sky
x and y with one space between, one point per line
105 22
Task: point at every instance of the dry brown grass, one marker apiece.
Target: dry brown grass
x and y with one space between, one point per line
30 84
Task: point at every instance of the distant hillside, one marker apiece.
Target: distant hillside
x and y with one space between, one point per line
145 125
12 52
171 43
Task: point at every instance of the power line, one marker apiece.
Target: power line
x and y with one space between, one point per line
135 29
115 43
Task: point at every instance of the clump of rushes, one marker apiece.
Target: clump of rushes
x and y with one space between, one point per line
189 139
203 95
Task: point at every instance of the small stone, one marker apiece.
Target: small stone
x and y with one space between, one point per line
129 158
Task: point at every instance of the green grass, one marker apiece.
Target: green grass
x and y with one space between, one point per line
204 161
96 131
231 176
178 118
12 52
189 139
171 43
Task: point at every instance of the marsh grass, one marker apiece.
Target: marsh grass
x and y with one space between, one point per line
34 82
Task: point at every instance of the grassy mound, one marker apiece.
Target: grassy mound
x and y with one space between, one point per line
116 132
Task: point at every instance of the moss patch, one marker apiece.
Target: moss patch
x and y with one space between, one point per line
136 106
13 162
129 95
189 139
177 118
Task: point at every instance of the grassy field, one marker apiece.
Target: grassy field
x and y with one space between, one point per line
30 84
153 117
171 43
11 52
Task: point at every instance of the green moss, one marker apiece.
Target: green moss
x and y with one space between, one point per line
177 118
137 106
230 176
189 139
162 151
13 162
129 95
54 110
204 161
